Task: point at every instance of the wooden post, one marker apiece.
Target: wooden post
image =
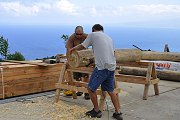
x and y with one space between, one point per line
61 77
146 89
154 75
148 77
70 78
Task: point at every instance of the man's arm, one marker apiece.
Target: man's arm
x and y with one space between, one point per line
87 42
78 47
69 44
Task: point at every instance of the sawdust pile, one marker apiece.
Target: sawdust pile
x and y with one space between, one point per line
43 109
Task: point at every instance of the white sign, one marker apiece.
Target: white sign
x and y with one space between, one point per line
167 65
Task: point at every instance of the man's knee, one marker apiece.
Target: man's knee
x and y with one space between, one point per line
111 93
90 91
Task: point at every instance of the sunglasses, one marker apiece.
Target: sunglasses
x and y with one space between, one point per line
78 33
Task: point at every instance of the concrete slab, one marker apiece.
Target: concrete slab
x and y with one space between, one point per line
40 106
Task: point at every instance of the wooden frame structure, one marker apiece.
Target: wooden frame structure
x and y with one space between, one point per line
74 86
149 79
70 84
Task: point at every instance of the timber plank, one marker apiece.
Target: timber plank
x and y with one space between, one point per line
28 80
6 79
28 62
27 72
21 79
27 88
134 64
81 69
13 68
30 71
131 79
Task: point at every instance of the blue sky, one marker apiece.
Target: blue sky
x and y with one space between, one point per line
134 13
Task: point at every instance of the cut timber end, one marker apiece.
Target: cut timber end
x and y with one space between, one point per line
73 59
80 58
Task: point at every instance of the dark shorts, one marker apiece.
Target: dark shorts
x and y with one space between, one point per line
105 78
77 75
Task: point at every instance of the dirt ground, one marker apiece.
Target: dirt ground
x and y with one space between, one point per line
43 107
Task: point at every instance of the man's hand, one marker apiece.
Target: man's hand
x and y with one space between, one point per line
72 49
78 47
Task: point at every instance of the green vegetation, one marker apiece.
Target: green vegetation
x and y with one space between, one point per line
52 57
4 47
16 56
65 38
4 51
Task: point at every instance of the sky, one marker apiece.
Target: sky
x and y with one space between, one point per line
131 13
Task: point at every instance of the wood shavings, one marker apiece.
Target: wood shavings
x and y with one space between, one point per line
43 109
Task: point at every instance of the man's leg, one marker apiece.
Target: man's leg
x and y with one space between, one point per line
95 112
108 85
93 84
93 97
114 98
115 101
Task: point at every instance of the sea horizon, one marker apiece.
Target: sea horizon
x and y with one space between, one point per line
36 42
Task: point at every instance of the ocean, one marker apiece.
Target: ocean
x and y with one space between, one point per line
36 42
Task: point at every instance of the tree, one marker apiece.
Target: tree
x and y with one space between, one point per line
16 56
4 51
4 47
65 38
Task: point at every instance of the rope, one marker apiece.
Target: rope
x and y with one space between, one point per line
2 77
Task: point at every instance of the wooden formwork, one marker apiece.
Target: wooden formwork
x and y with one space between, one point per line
20 79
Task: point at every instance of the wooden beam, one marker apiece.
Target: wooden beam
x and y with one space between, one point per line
88 70
134 64
28 62
131 79
154 81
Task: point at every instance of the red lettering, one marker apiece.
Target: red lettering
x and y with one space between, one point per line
163 65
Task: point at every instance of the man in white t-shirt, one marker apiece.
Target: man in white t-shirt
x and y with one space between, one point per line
103 74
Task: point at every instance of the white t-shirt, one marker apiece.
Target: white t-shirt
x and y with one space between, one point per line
103 50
